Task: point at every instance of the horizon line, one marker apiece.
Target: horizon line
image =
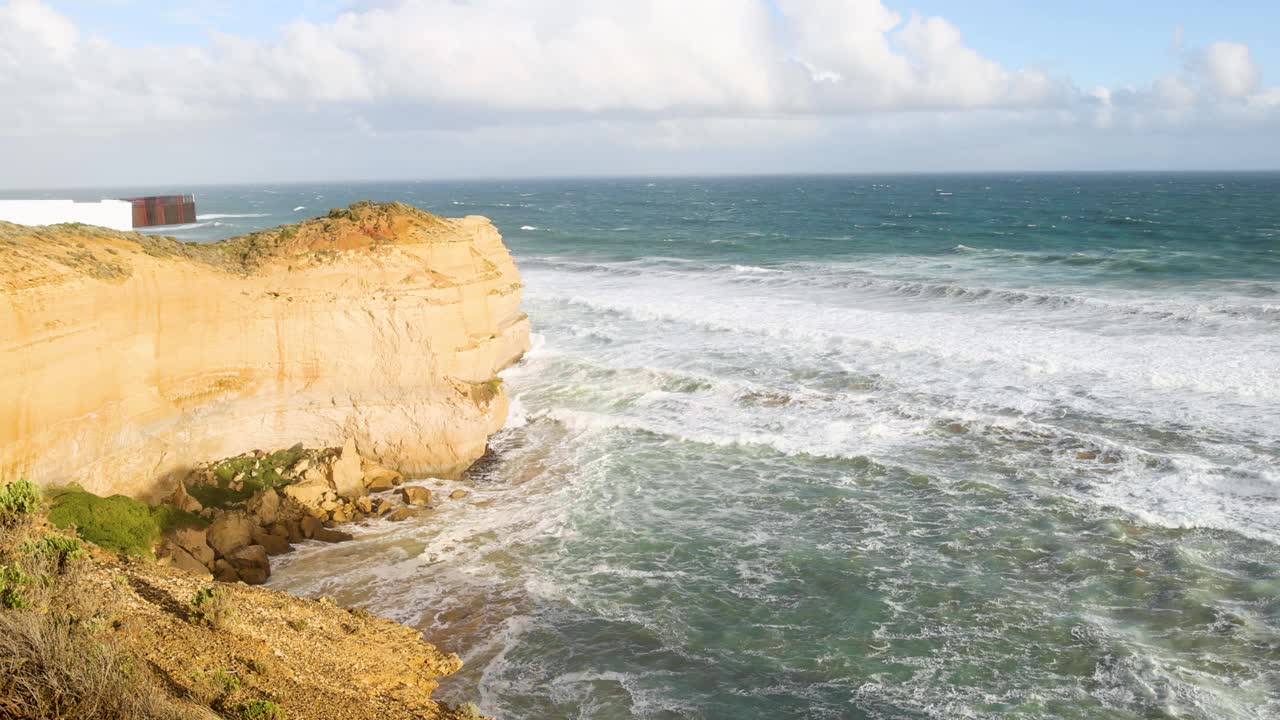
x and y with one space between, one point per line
641 176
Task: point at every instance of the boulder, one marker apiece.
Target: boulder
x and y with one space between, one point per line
310 492
272 543
364 505
457 494
294 530
310 525
380 479
340 514
416 496
348 477
404 512
229 532
223 572
195 542
265 507
332 536
184 501
252 564
177 557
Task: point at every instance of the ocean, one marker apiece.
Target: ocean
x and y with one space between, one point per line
856 447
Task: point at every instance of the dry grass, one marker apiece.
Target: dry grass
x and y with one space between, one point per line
52 667
51 670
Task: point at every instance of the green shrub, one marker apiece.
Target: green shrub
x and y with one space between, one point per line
216 688
261 710
18 500
212 606
13 586
225 681
115 523
56 550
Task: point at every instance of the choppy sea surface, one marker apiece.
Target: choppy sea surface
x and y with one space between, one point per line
856 447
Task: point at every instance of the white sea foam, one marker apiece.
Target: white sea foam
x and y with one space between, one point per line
936 361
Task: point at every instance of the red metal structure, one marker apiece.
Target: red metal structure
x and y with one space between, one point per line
163 210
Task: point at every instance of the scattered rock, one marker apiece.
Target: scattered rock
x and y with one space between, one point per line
457 494
348 478
229 532
1087 455
416 496
329 505
252 564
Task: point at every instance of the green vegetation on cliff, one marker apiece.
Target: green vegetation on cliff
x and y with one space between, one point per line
114 523
237 479
117 523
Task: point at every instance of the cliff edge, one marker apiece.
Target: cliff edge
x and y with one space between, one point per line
129 359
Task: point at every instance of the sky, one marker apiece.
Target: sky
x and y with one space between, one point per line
142 92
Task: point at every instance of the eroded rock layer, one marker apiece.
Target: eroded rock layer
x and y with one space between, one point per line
125 359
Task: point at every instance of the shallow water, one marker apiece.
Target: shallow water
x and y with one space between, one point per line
902 447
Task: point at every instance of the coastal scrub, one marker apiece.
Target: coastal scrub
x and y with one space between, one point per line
116 523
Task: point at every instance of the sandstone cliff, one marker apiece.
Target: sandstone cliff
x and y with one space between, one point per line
125 359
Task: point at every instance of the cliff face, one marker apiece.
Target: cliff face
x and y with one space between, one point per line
125 360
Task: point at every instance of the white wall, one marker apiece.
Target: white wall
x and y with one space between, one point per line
114 214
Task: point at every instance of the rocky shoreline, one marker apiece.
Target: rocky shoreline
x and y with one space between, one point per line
260 505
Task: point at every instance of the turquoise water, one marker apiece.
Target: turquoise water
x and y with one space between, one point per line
896 447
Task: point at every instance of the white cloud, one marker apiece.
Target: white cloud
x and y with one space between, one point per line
557 56
652 75
1230 68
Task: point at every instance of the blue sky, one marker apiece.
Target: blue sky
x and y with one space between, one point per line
1108 43
444 88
